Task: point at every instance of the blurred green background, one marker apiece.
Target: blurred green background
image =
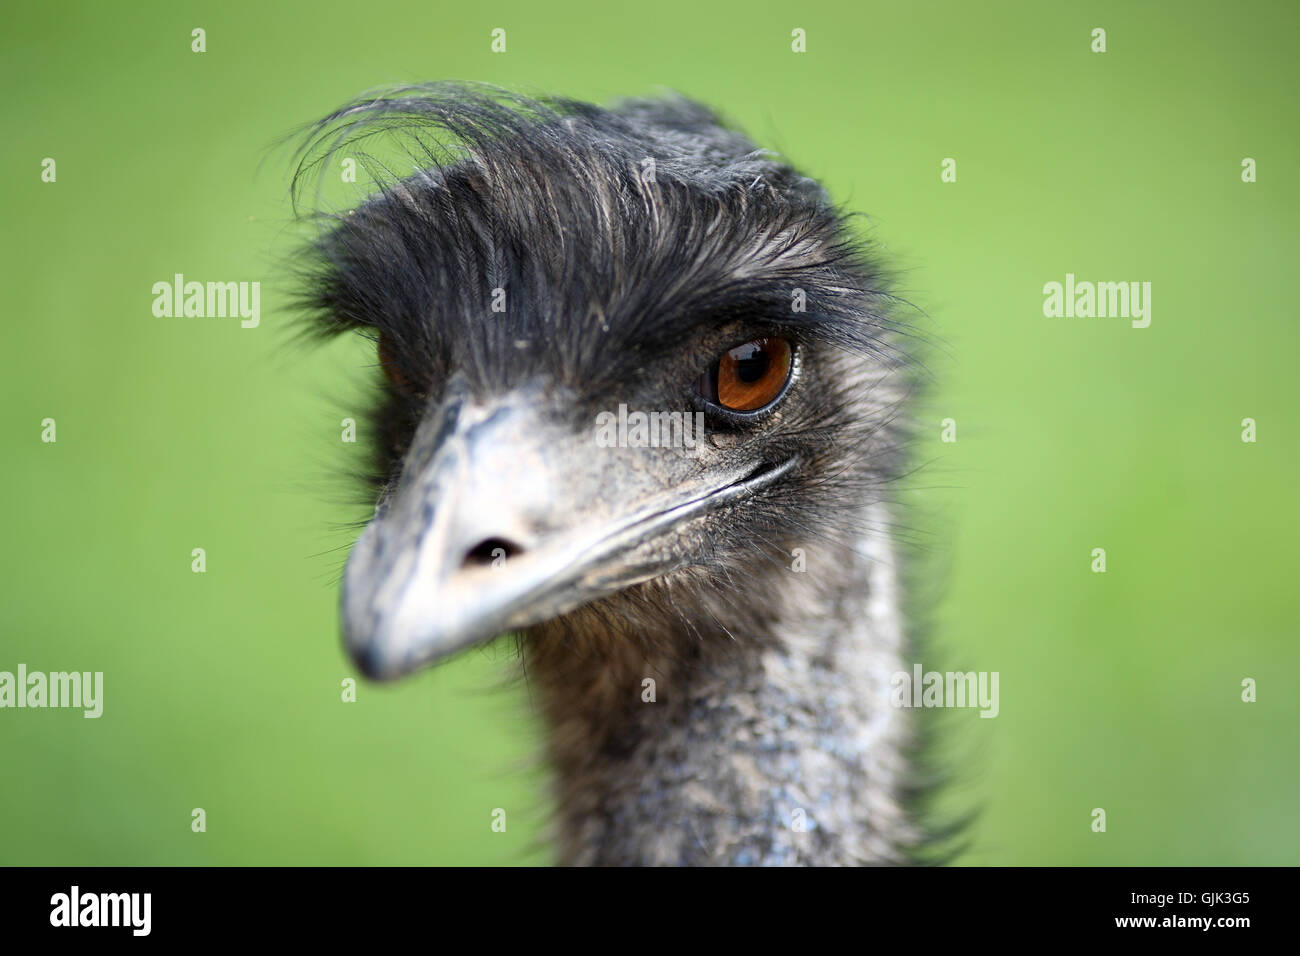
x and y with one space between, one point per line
1118 690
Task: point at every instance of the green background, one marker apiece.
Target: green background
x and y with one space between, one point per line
1118 690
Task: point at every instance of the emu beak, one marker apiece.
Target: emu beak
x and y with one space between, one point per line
504 518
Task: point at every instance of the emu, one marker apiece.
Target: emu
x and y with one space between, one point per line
709 633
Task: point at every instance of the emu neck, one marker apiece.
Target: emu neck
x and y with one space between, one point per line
774 746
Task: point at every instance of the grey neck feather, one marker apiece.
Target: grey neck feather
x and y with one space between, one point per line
780 748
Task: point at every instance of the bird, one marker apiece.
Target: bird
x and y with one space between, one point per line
707 617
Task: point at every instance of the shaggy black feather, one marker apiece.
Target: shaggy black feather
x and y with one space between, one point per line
632 245
547 200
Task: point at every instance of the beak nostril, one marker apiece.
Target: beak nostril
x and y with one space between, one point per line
491 552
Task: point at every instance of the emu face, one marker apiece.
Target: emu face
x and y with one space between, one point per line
563 261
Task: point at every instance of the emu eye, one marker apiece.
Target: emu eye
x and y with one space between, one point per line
748 377
388 362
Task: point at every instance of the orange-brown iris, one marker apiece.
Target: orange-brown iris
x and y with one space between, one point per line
749 376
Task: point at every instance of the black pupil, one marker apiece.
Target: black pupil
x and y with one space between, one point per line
752 362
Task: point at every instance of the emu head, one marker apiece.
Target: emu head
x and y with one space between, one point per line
551 270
